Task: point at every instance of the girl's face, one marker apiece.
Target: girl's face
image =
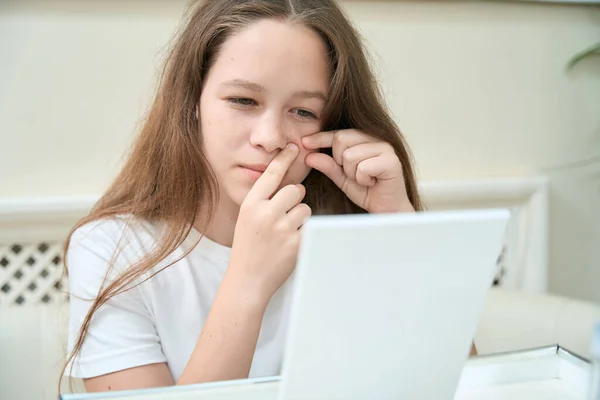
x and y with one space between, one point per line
267 87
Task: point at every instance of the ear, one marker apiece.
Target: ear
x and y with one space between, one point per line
196 111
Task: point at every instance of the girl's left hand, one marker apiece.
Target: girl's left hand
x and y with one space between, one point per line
367 170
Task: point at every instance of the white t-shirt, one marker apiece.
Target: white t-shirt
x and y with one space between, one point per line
161 319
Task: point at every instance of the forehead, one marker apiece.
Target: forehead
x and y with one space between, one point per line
275 54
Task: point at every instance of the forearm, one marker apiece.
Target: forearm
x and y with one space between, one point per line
225 348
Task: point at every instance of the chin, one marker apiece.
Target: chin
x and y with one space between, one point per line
238 196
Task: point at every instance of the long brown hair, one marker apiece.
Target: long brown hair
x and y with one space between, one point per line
167 176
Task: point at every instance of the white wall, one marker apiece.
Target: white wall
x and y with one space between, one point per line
479 89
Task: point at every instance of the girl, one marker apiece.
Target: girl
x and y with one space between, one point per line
266 112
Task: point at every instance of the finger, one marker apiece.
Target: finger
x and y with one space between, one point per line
298 215
319 140
356 154
326 164
345 140
270 180
369 170
288 197
324 140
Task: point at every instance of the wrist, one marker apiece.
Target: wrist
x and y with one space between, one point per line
404 207
245 291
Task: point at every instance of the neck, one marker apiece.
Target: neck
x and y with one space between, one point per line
222 226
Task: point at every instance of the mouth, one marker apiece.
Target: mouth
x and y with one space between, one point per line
253 171
255 167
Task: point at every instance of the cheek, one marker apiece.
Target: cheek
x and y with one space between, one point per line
221 131
297 137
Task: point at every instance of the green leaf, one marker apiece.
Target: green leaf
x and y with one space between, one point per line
594 50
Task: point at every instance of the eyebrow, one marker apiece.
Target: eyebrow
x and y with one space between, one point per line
255 87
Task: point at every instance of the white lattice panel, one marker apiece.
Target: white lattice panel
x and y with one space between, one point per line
31 273
500 273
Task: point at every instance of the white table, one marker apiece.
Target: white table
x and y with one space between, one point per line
543 374
546 373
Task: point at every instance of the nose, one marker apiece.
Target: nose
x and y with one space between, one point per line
269 134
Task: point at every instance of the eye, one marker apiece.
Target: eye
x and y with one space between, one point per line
242 101
305 114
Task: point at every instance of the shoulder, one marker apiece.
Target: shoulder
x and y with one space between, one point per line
115 242
115 230
123 233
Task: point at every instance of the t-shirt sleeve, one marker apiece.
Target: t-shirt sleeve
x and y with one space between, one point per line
121 334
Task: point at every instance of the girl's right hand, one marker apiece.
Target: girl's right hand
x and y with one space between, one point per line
267 233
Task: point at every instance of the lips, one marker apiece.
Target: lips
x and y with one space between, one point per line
255 167
253 171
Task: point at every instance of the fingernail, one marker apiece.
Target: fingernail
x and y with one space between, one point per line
292 146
